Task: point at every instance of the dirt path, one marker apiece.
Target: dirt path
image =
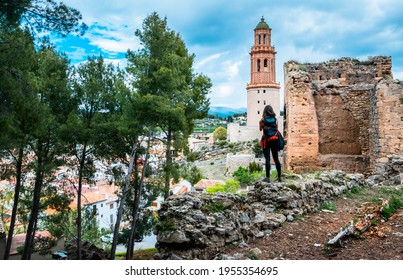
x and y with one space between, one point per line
305 238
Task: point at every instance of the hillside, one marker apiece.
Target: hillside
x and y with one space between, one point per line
224 112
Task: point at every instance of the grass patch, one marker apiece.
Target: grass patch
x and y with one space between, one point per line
354 192
331 206
142 254
391 191
357 190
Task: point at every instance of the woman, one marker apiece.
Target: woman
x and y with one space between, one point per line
269 141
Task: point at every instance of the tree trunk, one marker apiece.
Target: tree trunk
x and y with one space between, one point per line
15 205
168 162
123 201
79 191
26 254
136 207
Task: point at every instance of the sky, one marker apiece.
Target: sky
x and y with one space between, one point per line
220 34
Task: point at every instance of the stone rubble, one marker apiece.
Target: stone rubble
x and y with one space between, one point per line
197 225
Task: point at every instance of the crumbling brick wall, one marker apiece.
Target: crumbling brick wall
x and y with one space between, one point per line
343 114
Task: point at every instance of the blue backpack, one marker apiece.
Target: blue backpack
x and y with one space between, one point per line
270 128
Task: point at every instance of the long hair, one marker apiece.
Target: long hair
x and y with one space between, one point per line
268 111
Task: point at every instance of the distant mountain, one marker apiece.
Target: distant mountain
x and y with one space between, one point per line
225 111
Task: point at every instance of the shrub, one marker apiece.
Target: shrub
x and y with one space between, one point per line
220 133
242 175
230 186
193 156
254 167
394 204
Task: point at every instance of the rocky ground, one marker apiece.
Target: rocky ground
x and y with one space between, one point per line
307 236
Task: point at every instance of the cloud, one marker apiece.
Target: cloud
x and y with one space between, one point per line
113 39
231 69
77 53
229 95
207 60
220 33
121 63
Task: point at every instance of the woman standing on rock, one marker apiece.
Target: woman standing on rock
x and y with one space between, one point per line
269 142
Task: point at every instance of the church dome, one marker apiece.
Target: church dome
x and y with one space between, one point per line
262 24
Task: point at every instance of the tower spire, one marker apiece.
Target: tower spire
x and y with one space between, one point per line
262 88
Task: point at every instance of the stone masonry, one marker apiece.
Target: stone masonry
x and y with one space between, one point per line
197 225
343 114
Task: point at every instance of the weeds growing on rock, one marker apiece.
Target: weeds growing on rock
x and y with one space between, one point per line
167 225
214 207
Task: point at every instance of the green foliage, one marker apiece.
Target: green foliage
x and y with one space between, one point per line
257 150
162 69
216 188
394 204
254 167
356 190
248 175
391 191
222 143
230 186
193 156
40 16
254 256
192 174
331 206
44 244
242 175
142 254
215 207
220 133
63 225
167 225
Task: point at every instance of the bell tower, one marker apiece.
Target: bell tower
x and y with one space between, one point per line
262 89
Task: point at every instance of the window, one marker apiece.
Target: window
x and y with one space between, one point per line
102 216
264 91
258 65
258 101
260 39
258 91
264 102
111 206
265 62
258 112
264 39
111 219
102 205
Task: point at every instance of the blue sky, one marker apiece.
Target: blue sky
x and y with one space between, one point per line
220 34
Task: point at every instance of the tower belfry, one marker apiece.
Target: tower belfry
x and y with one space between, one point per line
262 89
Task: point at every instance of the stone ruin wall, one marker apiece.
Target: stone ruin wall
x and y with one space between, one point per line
343 114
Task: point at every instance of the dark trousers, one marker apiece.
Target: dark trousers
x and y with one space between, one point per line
273 147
